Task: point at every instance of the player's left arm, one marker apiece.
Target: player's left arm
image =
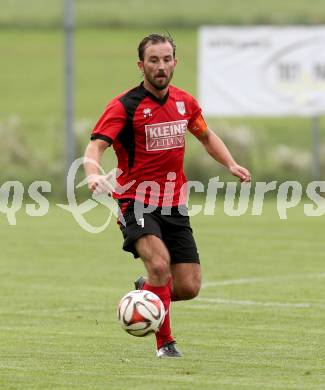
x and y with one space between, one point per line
217 149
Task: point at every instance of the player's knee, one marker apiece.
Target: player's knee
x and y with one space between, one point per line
159 268
188 291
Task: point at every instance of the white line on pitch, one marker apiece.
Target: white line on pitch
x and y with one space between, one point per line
234 281
220 301
231 282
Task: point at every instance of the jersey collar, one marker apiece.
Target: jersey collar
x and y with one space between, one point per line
153 97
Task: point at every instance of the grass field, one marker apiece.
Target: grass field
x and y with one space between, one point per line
258 323
173 13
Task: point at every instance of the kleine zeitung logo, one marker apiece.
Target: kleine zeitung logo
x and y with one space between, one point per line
166 135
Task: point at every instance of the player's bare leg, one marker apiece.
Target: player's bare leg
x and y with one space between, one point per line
186 281
156 259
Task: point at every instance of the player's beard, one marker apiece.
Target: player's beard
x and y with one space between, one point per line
159 85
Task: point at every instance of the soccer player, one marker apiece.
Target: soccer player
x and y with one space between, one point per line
146 127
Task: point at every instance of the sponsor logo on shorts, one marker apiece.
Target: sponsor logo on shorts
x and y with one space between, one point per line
167 135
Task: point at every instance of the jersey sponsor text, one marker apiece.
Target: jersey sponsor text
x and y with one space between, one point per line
167 135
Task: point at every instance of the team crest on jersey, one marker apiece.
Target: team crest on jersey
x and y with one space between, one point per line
147 112
181 107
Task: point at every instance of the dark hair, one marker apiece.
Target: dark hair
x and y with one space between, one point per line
154 38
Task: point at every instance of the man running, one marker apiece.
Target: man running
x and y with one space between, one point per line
146 126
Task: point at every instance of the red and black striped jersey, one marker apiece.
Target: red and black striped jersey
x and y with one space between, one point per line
148 136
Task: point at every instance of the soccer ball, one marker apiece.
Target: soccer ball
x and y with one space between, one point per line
140 313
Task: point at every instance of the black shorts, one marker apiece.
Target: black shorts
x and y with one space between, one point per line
174 230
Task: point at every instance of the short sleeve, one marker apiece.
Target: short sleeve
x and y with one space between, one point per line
195 112
110 123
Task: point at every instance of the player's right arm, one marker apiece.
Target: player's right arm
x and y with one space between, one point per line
93 156
103 135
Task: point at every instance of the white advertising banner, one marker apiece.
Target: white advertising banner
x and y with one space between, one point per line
262 71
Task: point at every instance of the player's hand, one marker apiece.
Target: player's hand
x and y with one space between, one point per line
100 184
241 172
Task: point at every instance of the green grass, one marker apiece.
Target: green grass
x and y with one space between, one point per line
172 13
60 287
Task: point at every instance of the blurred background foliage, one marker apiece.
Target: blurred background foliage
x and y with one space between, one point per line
106 37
